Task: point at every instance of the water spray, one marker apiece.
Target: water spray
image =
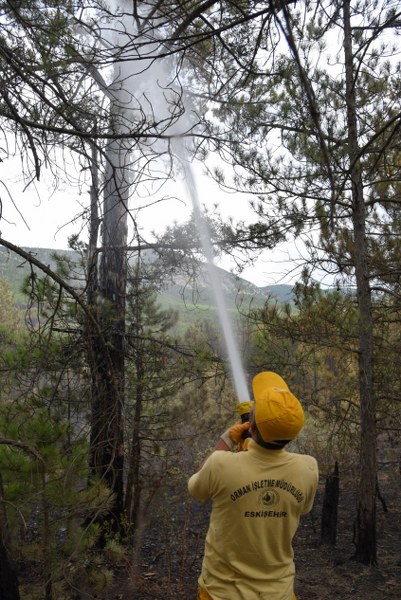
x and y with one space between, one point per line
237 371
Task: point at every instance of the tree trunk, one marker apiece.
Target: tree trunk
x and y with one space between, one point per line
133 495
330 508
134 486
106 349
9 589
365 531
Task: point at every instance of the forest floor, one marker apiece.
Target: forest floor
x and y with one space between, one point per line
170 558
167 561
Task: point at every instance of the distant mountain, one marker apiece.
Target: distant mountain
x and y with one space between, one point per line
282 292
237 290
239 294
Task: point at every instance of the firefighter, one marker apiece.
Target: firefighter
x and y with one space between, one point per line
258 497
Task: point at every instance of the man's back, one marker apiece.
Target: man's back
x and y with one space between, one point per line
258 497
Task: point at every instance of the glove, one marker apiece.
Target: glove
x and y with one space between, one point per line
243 445
233 436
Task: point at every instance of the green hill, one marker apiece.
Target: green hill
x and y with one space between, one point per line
194 302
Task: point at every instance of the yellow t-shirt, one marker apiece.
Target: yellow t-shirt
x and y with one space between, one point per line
257 498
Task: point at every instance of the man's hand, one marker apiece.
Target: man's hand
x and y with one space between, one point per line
231 440
233 436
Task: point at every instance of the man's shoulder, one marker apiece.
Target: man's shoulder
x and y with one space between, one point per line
222 457
217 459
306 458
306 462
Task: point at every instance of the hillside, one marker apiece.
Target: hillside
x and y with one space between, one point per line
192 301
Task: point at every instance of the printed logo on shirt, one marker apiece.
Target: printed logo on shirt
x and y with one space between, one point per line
265 513
269 498
268 486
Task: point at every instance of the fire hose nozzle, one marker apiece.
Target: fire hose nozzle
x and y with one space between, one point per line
243 409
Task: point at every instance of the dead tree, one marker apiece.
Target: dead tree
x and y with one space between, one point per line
328 534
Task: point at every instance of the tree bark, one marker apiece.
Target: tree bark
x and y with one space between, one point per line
330 508
9 588
134 488
365 530
108 368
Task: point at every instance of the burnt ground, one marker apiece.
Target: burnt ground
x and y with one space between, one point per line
167 566
167 559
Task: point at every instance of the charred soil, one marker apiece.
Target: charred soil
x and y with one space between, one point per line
168 562
164 561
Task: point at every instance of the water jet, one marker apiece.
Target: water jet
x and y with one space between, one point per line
235 363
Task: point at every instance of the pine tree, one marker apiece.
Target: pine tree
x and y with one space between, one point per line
324 114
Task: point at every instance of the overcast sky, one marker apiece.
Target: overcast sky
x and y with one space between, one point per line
36 217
